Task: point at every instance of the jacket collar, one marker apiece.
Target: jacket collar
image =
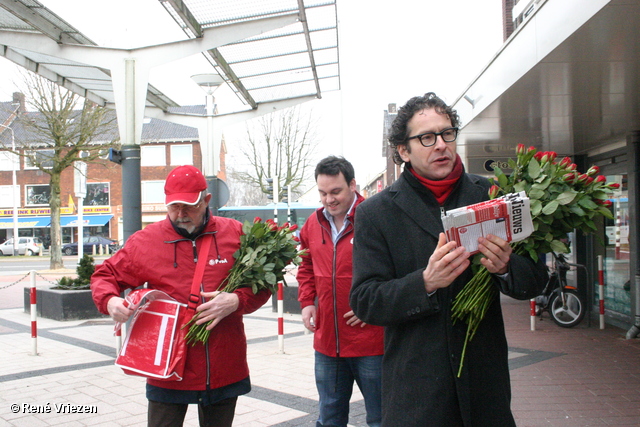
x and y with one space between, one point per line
208 226
320 212
424 210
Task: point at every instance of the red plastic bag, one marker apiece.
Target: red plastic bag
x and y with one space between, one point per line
155 345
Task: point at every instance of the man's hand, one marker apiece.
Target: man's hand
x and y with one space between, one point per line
445 264
218 306
117 309
309 317
496 253
352 320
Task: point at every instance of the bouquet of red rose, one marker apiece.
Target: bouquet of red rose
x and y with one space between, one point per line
562 200
265 250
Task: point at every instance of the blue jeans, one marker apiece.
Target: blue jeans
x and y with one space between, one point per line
334 379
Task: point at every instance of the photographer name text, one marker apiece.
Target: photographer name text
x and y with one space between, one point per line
56 408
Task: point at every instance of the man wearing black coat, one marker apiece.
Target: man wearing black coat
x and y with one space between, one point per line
406 276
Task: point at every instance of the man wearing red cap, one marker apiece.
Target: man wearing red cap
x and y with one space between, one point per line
164 255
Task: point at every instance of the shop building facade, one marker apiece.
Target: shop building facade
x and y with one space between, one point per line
164 146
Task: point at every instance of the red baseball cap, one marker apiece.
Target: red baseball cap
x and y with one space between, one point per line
184 185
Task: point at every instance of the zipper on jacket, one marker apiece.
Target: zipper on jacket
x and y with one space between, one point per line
195 260
335 296
195 251
333 283
335 286
333 278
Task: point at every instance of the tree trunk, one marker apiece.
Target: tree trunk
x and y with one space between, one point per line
56 234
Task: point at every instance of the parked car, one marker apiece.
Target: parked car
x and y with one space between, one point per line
88 243
26 246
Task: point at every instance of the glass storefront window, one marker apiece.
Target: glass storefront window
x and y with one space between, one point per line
616 261
97 194
38 195
44 234
67 234
25 232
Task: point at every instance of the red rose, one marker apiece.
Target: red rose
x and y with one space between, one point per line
582 178
565 162
494 191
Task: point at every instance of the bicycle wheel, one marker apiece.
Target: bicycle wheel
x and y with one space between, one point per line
571 313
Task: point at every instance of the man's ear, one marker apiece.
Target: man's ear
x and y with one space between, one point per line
403 151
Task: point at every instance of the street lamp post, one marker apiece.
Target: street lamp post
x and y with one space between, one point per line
13 190
210 154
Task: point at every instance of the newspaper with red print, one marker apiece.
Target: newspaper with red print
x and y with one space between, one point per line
508 217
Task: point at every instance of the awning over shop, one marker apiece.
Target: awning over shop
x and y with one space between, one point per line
87 220
26 222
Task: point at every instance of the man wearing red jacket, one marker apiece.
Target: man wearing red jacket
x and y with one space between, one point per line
346 349
164 255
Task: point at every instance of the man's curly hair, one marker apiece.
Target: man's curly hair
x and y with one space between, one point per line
399 131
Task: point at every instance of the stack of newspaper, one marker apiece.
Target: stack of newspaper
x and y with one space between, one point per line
508 217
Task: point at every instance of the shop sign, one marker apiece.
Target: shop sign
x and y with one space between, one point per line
36 211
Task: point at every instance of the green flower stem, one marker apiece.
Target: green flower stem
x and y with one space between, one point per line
471 305
473 301
264 250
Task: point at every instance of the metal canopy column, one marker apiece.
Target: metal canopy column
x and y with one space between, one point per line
633 145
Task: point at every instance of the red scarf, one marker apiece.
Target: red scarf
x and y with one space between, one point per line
442 188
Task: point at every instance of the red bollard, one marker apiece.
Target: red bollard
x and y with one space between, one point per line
34 308
280 318
532 305
601 289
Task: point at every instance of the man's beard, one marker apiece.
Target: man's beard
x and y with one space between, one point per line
189 229
189 226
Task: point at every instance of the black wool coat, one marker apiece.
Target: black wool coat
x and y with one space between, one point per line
396 234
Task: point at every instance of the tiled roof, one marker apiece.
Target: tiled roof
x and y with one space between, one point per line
153 130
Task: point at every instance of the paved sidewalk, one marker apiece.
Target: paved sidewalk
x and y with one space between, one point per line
561 377
584 376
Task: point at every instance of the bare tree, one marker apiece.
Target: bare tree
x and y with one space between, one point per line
242 193
58 135
283 145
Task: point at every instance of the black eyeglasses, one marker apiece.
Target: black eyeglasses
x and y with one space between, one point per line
428 139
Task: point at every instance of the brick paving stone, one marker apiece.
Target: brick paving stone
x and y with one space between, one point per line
560 377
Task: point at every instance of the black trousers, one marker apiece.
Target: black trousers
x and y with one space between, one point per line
220 414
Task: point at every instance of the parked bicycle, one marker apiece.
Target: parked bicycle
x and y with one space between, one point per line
559 299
